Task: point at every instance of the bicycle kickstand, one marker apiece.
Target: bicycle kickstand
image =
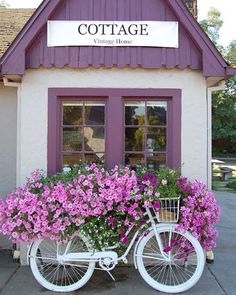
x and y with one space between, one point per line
110 274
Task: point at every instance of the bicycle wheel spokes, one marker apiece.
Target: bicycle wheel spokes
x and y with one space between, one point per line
53 273
180 269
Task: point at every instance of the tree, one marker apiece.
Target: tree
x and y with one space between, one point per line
224 111
3 4
231 53
224 102
224 119
212 26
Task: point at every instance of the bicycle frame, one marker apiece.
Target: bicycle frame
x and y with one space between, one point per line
112 255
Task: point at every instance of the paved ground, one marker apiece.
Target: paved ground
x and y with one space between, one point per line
218 279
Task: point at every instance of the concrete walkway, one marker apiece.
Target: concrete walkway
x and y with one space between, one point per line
218 278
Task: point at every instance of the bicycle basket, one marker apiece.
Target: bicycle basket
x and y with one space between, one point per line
169 210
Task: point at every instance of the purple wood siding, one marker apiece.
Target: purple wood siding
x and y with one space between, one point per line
187 55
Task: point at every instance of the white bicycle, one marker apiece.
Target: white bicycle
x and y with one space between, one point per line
168 260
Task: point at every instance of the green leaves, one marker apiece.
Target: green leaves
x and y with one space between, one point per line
224 102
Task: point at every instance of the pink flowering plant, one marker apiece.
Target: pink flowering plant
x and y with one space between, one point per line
199 212
98 203
103 205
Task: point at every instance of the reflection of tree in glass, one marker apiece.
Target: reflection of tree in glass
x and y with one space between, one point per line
159 138
94 115
134 139
72 115
139 133
135 115
72 139
156 115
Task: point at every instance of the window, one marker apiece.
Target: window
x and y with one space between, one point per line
114 126
83 132
145 133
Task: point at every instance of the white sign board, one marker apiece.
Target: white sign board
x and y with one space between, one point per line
109 33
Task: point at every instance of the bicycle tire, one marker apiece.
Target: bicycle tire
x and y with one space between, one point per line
54 275
186 265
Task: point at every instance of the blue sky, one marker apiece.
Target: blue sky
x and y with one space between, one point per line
227 8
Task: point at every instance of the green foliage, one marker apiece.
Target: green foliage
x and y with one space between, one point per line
170 187
212 24
224 102
232 184
224 118
100 233
231 53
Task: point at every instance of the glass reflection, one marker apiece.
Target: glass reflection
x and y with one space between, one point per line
94 113
94 139
72 139
72 159
98 158
156 113
156 161
72 114
134 139
156 139
134 113
134 160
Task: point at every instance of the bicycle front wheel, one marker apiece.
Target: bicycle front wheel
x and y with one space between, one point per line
56 275
179 269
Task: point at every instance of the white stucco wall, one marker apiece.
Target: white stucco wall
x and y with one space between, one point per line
8 114
32 144
8 105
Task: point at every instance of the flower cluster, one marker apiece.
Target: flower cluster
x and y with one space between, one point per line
199 212
103 205
43 208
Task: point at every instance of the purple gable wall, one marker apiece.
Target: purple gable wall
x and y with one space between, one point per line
196 51
187 55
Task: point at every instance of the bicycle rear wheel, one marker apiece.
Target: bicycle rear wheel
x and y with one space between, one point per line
183 265
55 275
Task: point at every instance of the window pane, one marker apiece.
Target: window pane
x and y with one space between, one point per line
72 139
156 139
134 139
134 113
156 161
72 159
156 113
94 113
98 158
94 139
72 114
134 159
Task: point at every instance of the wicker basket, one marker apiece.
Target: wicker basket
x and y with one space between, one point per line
169 210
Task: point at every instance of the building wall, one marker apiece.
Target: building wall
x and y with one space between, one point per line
32 147
8 114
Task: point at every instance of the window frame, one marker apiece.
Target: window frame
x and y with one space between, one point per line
83 151
114 129
146 126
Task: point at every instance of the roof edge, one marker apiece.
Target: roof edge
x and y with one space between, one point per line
23 31
27 27
230 71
